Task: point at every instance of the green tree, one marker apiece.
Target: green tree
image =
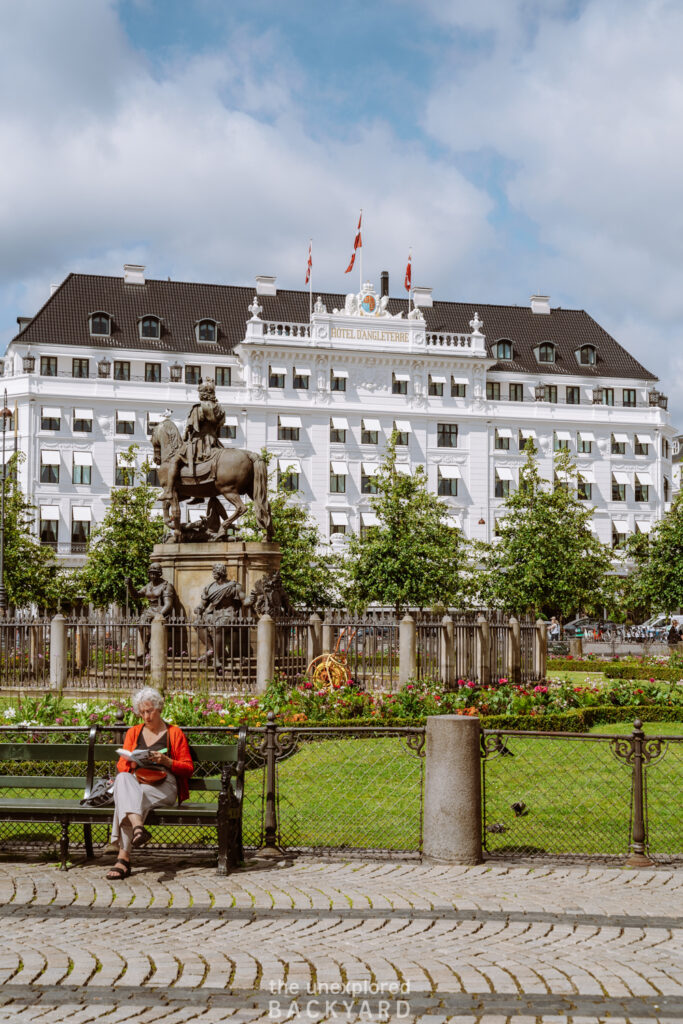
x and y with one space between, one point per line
412 558
546 559
656 581
121 545
32 574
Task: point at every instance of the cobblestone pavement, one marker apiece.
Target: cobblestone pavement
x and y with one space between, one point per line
373 940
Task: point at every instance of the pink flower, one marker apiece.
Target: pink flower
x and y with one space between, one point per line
540 689
652 680
470 685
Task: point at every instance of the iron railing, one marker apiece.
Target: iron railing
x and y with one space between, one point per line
24 652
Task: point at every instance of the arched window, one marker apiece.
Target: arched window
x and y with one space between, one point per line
206 330
150 327
100 323
504 350
587 355
546 352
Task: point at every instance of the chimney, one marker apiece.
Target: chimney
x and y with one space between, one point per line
384 283
23 322
265 285
133 273
422 296
53 289
540 303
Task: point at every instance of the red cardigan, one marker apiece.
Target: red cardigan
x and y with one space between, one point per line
182 766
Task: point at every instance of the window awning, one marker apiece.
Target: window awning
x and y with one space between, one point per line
563 435
51 412
621 478
586 435
340 423
403 376
128 417
449 472
302 371
82 458
291 465
527 432
403 470
369 519
339 468
644 478
644 525
123 460
230 421
49 458
370 468
620 525
82 414
504 431
339 518
340 373
459 380
49 512
620 438
285 421
80 514
643 439
279 370
403 426
371 425
503 473
154 417
587 475
437 378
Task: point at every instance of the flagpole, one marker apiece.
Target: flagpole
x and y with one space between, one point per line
360 256
310 280
410 260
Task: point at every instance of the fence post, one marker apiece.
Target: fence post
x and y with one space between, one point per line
483 651
270 847
58 652
514 669
265 653
328 635
541 659
315 637
638 857
407 649
81 649
447 653
452 800
158 653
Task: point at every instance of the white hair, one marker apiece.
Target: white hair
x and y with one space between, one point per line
147 695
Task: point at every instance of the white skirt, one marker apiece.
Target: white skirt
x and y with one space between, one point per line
133 797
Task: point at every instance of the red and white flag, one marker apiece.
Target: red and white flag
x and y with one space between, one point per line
407 283
357 244
310 262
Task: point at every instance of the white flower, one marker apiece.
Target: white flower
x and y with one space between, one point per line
10 713
80 706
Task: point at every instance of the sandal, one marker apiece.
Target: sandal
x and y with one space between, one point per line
120 871
140 836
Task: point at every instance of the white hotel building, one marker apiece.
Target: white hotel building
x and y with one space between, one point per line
463 384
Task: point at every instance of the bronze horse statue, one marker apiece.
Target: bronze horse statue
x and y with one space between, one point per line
229 474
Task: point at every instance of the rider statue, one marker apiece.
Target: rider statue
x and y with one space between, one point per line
200 439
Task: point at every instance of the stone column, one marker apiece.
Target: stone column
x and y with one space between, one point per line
407 650
447 653
58 652
452 807
541 659
158 653
483 651
515 649
315 638
328 635
576 647
265 653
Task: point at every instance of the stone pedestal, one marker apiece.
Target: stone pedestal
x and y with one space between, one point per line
188 566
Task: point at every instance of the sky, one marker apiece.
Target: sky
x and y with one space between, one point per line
517 146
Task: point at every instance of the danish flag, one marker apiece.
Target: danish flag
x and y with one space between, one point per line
409 274
310 262
357 244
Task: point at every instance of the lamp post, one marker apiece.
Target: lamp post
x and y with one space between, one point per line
5 414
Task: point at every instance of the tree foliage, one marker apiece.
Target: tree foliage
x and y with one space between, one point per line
121 545
546 559
656 581
412 558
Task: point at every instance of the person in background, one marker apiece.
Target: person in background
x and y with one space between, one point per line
554 629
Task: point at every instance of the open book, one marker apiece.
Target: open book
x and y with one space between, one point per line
139 757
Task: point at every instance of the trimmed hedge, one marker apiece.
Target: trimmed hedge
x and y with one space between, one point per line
617 669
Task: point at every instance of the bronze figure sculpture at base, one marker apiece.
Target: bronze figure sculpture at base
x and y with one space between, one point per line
160 596
218 616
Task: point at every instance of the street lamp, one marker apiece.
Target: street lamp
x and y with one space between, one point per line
103 367
653 397
5 414
539 392
598 395
176 372
29 363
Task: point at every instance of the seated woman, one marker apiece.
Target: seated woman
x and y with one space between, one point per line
134 799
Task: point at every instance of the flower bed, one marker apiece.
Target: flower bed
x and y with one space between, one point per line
628 667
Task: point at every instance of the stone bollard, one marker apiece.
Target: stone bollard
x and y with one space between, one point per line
315 638
452 800
265 653
515 649
541 659
328 635
483 651
158 653
407 649
575 647
447 653
58 652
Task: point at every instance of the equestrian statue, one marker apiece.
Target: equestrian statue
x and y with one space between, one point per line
197 466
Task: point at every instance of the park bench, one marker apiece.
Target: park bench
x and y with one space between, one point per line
224 811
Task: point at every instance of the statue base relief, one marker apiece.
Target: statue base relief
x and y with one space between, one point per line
188 566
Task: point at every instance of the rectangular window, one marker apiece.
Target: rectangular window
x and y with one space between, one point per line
336 527
665 448
502 440
338 380
80 532
153 373
641 447
121 369
525 436
608 396
287 481
82 421
338 431
125 423
276 376
583 446
666 488
286 432
49 531
493 390
446 435
618 491
642 492
516 392
301 380
124 476
502 488
223 376
561 484
192 374
399 383
585 490
436 386
50 419
153 420
49 468
153 477
369 433
629 396
337 481
368 482
618 445
80 368
48 366
228 431
560 442
618 539
573 396
458 389
82 474
448 487
551 392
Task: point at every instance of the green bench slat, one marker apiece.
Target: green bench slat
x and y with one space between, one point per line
42 782
224 753
75 807
43 751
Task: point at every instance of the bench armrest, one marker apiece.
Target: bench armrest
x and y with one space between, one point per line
236 769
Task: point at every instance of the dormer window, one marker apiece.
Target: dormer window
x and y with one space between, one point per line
207 330
588 355
546 352
504 350
100 324
150 327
